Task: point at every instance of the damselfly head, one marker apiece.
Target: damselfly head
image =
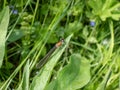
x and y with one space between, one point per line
62 40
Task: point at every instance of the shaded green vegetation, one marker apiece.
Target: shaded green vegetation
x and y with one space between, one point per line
89 59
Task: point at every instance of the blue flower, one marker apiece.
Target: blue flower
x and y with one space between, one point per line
92 23
15 11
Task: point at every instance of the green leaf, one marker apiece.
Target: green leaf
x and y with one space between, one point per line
40 81
15 35
73 27
73 76
104 9
103 84
9 65
92 40
4 20
26 73
24 84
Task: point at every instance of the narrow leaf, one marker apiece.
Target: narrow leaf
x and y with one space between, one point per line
24 83
3 31
40 81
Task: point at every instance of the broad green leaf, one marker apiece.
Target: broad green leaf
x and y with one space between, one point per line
40 81
4 17
73 76
105 8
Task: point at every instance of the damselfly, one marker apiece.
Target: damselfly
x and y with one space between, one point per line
43 61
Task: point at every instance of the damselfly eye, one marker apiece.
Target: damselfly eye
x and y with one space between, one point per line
62 40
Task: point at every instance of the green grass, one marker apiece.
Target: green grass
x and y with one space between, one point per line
89 59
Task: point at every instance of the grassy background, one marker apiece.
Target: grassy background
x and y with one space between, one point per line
88 60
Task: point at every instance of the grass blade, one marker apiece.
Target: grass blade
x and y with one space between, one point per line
24 85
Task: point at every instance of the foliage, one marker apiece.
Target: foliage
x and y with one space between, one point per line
87 60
